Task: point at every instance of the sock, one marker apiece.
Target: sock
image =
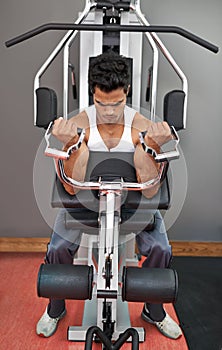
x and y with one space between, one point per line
56 307
156 312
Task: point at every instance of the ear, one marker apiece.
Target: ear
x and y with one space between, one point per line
128 89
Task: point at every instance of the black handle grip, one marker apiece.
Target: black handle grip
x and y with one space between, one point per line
147 94
74 92
112 27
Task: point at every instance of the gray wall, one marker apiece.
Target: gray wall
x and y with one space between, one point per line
25 209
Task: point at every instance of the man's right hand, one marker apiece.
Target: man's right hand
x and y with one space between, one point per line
65 131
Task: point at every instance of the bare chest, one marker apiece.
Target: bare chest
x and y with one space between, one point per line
111 136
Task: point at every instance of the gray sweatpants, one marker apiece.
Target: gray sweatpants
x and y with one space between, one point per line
64 243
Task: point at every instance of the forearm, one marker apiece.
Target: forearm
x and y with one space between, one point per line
146 169
75 167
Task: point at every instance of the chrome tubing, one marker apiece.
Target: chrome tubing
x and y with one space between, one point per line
88 7
109 186
143 21
168 56
53 55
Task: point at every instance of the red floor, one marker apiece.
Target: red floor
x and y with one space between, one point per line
20 309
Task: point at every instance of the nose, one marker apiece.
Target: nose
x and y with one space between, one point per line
109 110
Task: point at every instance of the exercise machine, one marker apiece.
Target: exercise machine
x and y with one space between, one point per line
106 283
112 283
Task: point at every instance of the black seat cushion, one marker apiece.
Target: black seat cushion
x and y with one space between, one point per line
131 220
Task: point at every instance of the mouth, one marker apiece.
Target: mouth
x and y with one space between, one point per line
113 117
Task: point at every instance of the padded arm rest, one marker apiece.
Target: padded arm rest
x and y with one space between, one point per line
86 198
62 199
161 200
110 164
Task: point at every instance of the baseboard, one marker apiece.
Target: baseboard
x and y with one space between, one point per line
180 248
193 248
27 244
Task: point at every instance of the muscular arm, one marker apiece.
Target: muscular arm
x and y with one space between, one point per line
146 167
74 167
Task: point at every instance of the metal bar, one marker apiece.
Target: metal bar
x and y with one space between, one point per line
66 77
114 28
88 8
170 59
108 186
101 263
110 207
152 43
131 46
52 56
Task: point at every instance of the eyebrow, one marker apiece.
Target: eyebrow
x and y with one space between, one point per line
109 104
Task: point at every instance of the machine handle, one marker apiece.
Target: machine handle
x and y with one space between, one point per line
166 155
162 158
106 185
58 154
113 27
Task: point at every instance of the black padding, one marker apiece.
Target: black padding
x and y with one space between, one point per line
73 219
173 108
46 100
110 165
62 199
161 200
136 220
131 220
63 281
88 199
153 285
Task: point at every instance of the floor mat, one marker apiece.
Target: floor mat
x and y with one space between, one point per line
199 303
21 308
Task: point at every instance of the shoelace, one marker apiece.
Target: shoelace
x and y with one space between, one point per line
160 324
49 319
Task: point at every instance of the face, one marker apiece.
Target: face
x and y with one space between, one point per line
109 105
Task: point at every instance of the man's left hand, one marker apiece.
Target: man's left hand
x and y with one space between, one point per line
157 135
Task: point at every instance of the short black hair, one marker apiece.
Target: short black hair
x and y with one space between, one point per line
108 71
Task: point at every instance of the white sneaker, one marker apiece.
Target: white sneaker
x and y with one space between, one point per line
48 325
167 326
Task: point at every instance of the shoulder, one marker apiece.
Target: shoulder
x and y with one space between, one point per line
81 120
140 123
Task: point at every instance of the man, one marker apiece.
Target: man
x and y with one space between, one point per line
113 127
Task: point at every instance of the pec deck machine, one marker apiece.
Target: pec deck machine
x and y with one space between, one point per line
110 206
